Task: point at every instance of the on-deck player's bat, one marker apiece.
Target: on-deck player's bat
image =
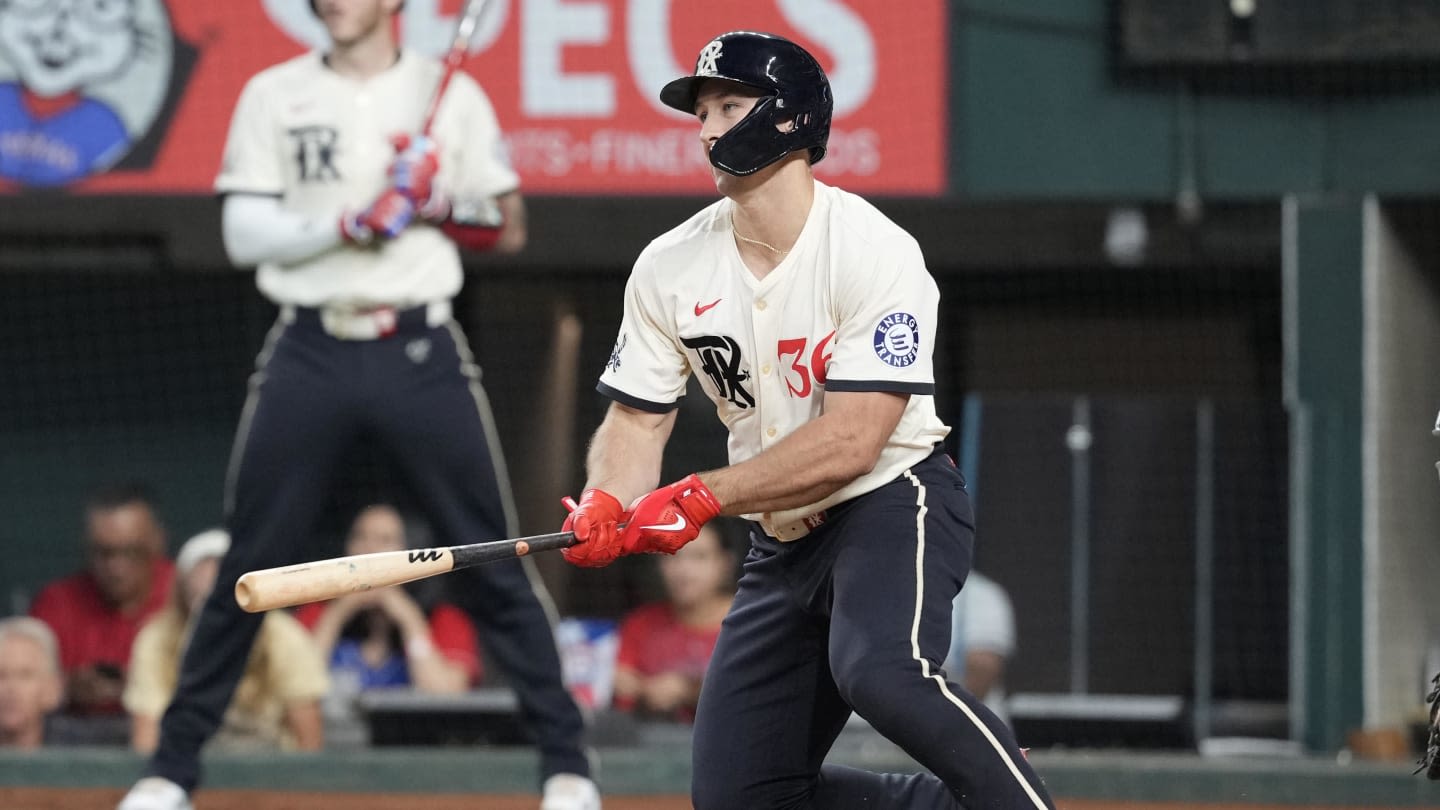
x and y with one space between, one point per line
317 581
469 19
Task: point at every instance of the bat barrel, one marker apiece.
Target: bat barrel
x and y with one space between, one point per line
318 581
298 584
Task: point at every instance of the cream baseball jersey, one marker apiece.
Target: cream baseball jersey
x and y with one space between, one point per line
321 142
851 308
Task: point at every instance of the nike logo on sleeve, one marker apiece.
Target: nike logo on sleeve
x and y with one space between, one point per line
701 310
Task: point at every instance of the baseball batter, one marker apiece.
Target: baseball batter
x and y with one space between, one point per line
810 320
353 219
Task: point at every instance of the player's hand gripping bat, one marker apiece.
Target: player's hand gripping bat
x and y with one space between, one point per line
317 581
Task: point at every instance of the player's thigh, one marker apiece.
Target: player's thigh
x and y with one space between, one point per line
907 548
435 413
299 392
768 709
294 426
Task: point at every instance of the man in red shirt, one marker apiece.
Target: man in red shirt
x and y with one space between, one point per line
97 612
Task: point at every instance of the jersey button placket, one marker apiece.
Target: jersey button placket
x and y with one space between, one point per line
766 327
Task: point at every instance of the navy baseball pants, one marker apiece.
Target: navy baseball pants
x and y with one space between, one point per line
855 616
417 391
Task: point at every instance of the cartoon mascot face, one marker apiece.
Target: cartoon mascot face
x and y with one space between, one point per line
58 46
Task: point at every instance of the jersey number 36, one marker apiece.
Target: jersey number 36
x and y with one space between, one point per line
799 381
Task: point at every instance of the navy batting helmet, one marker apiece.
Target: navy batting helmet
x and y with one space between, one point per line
796 91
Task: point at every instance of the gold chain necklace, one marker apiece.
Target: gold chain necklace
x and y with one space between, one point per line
765 245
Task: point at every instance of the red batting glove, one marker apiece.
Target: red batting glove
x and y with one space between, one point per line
595 521
385 218
669 517
417 160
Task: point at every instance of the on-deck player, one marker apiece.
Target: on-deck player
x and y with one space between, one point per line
356 244
811 319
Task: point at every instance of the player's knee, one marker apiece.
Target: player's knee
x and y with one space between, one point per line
869 684
865 690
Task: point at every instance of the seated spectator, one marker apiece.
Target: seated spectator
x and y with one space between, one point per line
96 613
386 637
276 705
30 681
982 639
666 646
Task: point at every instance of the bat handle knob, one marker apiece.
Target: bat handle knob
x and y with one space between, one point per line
244 596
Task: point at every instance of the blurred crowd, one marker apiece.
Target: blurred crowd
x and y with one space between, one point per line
97 659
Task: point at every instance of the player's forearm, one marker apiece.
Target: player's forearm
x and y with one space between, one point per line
807 466
515 232
258 228
812 463
625 453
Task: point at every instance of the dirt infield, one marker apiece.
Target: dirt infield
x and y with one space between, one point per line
106 799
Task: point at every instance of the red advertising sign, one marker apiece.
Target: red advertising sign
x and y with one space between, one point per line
137 97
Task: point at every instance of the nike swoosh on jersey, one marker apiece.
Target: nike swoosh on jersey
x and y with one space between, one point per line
670 527
701 310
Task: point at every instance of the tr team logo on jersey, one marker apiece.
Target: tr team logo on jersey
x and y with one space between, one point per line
721 361
897 339
315 153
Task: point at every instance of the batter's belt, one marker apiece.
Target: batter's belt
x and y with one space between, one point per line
367 322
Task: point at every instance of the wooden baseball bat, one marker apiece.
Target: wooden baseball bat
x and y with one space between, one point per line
317 581
464 30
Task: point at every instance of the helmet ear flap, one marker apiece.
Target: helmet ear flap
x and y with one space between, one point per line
752 144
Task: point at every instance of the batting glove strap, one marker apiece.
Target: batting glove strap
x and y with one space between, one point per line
668 518
699 502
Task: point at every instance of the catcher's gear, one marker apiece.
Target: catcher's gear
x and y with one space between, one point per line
1430 760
